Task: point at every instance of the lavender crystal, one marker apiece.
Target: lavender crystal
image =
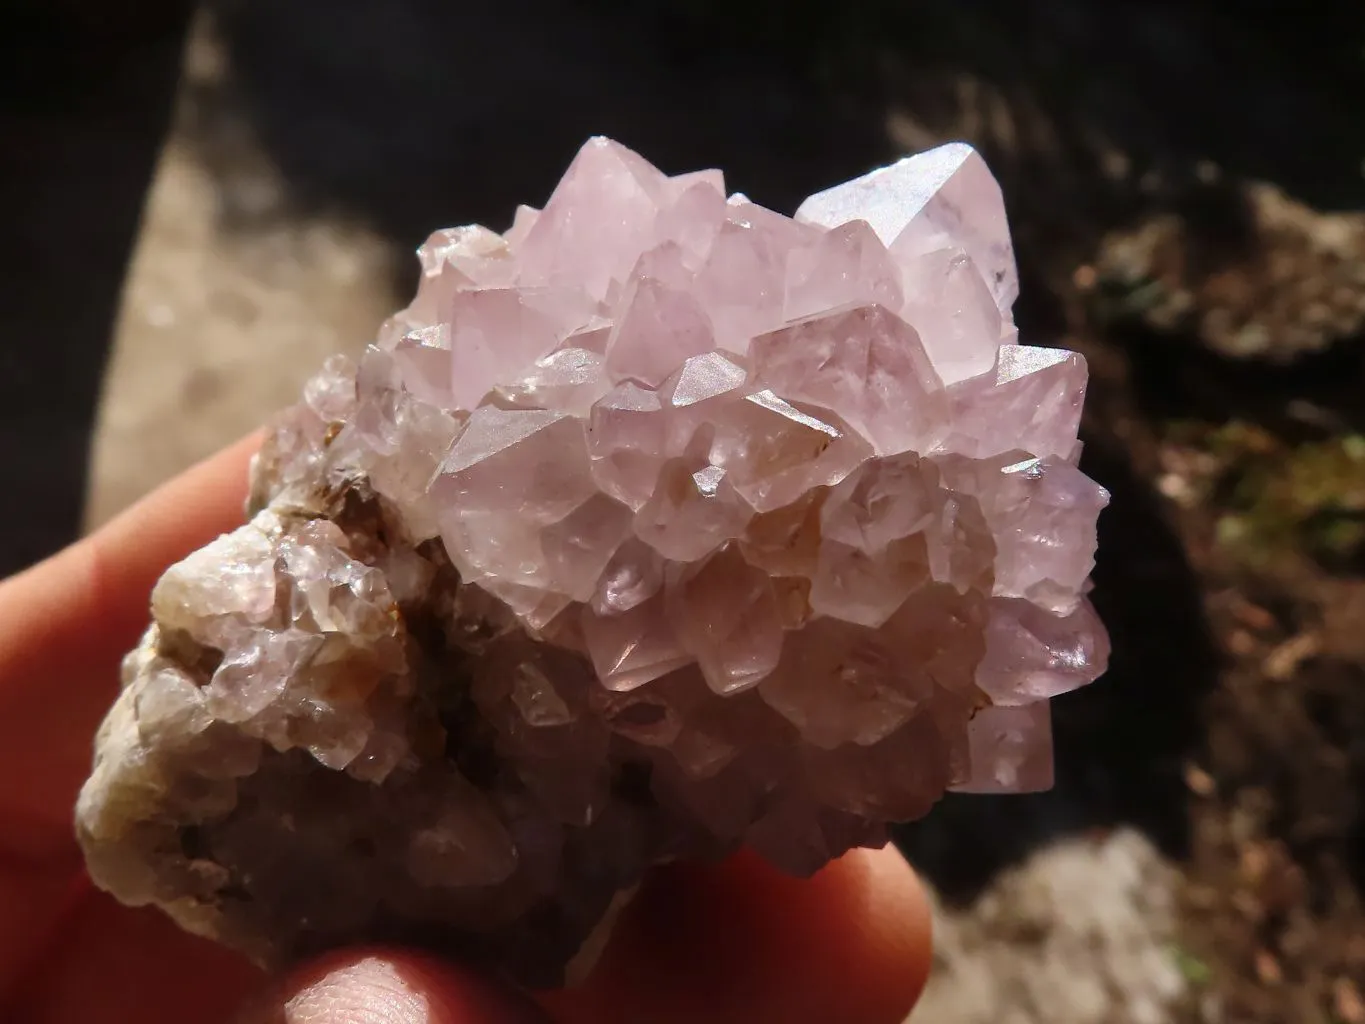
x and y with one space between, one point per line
659 525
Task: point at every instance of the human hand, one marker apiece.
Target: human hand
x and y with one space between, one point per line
735 942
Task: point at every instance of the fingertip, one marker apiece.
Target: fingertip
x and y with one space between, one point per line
742 941
852 943
897 920
182 514
380 986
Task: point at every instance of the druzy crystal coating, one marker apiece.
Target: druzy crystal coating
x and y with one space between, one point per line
658 525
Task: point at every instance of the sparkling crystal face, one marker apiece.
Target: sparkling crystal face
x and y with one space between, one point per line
661 524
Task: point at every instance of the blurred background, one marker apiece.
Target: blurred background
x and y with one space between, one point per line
202 202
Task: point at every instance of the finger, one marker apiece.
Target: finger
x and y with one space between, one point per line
38 897
113 965
743 942
65 624
389 987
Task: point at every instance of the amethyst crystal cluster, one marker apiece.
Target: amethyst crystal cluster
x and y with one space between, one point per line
658 525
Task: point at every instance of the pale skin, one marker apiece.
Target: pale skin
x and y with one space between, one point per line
738 942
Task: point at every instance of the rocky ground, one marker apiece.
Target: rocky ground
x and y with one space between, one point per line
1186 187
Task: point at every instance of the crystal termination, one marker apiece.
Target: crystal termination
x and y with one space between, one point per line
658 525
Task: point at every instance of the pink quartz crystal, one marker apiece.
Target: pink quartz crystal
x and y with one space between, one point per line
660 525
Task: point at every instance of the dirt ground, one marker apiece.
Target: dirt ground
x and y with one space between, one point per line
1187 191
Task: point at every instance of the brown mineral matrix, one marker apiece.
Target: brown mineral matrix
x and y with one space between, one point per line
660 525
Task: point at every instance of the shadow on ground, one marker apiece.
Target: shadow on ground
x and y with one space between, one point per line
86 104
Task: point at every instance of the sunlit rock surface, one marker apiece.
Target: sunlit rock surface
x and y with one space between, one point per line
661 524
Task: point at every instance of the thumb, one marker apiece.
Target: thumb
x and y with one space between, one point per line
388 987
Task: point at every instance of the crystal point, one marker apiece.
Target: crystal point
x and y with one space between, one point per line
866 364
945 198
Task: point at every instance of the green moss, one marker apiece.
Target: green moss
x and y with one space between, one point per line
1194 970
1277 500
